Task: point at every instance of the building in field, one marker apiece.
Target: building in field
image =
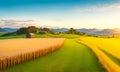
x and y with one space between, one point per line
30 35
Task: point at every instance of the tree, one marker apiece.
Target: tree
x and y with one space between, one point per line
22 31
72 31
32 29
48 30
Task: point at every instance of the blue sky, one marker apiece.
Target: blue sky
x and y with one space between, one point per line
60 13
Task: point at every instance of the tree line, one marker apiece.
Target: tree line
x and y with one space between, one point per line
36 30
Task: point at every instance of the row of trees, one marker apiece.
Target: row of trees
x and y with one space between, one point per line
33 29
30 29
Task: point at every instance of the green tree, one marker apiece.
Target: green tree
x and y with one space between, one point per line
48 30
72 31
22 31
32 29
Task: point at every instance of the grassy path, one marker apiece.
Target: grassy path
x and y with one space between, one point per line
72 57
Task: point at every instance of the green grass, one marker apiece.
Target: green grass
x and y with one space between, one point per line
43 36
72 57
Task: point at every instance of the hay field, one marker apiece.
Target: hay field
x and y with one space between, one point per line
110 45
16 51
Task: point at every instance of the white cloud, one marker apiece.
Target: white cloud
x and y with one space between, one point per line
16 23
1 23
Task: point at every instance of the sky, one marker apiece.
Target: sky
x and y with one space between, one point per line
98 14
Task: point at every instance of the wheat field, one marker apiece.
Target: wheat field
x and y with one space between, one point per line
110 45
16 51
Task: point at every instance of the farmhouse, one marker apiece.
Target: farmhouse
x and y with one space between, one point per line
30 35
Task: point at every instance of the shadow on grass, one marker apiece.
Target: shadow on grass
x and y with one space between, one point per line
113 58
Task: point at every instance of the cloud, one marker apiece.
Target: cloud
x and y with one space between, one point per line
98 8
51 23
16 23
1 23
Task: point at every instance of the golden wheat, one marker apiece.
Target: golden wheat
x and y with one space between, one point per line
105 44
110 45
16 51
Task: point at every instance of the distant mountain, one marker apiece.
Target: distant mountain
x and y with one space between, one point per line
8 29
107 32
1 30
88 31
93 31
